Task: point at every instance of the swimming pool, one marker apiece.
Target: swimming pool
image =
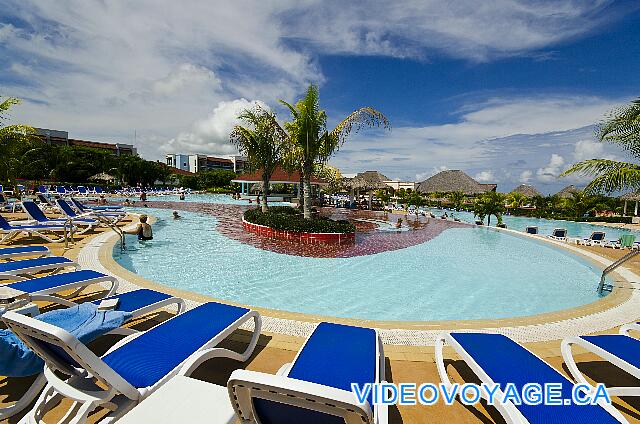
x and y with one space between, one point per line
463 273
224 199
545 226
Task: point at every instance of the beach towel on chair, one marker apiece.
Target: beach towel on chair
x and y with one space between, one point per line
84 321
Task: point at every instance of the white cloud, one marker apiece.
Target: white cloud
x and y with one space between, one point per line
550 172
211 135
424 175
186 75
525 176
591 149
485 177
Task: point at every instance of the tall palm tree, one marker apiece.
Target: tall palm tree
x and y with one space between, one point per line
315 144
262 141
621 127
488 204
12 139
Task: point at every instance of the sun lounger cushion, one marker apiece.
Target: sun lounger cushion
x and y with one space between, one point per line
28 263
505 361
84 321
624 347
338 355
147 358
9 251
134 300
52 281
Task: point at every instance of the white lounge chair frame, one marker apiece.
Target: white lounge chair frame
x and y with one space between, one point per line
40 382
567 355
40 254
245 385
114 393
508 410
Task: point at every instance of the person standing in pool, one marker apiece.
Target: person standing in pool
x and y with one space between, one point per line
143 229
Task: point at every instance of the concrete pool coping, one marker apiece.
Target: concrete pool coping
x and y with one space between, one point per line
619 307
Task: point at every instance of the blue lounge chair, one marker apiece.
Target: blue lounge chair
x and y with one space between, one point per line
135 303
22 270
621 350
112 215
82 191
559 234
44 200
44 288
111 209
136 366
61 190
596 237
531 230
24 251
496 359
10 231
34 212
93 217
316 388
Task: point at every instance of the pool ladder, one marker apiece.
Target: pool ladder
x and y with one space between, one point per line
68 230
602 287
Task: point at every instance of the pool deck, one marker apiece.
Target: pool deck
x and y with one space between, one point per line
409 358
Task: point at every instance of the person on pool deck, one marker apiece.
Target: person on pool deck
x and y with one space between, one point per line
175 215
143 230
143 196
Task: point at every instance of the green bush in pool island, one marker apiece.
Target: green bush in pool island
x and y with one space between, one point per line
290 219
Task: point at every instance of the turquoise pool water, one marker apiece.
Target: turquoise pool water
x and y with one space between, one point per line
201 198
464 273
545 226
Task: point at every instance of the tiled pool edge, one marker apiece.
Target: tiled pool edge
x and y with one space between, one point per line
98 250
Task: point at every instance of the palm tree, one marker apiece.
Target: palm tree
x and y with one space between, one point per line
579 203
315 144
456 198
621 127
516 200
12 139
262 141
488 204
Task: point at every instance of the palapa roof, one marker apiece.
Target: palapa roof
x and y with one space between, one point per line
566 192
453 180
633 196
368 180
279 176
526 189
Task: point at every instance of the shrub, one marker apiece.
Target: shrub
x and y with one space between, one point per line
286 218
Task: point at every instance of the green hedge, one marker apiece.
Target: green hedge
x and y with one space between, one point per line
290 219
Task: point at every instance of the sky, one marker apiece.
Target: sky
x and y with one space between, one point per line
507 91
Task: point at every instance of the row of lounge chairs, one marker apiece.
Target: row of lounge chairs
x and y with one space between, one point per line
314 388
76 218
597 238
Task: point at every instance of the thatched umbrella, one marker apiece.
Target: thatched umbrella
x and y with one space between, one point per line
369 181
633 197
451 181
103 176
527 190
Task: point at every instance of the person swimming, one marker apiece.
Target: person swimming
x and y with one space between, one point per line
175 215
143 229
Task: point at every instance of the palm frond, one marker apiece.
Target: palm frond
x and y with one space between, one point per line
610 175
358 119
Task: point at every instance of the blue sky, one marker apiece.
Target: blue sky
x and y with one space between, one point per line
507 91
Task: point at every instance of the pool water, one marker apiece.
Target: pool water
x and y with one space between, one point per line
224 199
464 273
545 226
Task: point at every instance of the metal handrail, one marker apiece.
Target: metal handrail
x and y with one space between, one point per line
100 218
602 286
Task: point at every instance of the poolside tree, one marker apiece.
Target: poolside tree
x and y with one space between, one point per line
516 200
621 127
261 139
313 142
456 198
488 204
15 140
